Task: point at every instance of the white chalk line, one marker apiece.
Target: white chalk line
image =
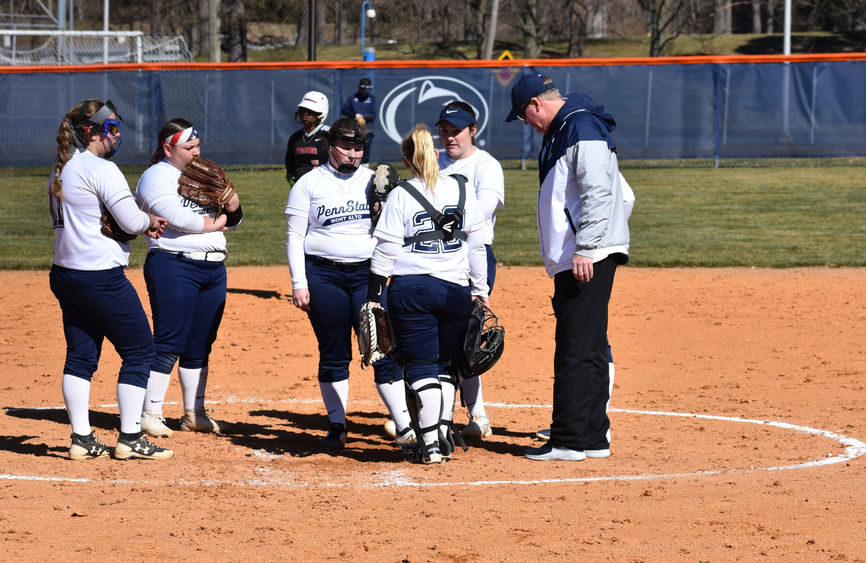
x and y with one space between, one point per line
399 478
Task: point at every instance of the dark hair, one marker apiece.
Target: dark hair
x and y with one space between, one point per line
174 126
347 129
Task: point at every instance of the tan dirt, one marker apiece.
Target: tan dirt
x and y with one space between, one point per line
732 347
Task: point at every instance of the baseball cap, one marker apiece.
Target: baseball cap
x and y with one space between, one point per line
528 87
457 117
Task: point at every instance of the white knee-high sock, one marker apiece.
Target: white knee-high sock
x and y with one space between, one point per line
193 382
76 396
431 409
335 395
448 396
610 371
129 401
473 396
157 387
394 396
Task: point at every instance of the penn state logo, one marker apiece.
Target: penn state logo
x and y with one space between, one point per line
421 99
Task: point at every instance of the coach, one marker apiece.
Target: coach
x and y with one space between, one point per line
583 232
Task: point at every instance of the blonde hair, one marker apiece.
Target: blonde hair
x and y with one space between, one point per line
66 139
418 148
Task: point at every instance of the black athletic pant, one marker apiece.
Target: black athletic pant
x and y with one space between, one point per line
580 363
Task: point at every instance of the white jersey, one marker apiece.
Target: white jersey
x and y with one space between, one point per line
90 185
484 175
157 188
403 217
337 214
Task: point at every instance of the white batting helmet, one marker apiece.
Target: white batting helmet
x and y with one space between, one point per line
315 102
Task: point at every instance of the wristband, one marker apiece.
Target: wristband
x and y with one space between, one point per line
375 287
233 217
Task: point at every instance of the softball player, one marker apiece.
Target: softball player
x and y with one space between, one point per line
435 273
186 281
457 128
308 146
96 298
328 243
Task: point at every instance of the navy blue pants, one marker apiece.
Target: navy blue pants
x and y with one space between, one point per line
187 299
97 305
581 376
429 318
337 293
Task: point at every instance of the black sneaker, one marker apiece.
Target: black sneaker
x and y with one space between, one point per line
87 447
139 448
336 438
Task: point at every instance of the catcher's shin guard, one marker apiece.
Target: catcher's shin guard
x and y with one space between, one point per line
447 434
426 448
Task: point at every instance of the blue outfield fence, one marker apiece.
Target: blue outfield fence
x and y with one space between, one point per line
663 111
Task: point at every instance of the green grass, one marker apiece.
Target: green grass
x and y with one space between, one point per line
805 215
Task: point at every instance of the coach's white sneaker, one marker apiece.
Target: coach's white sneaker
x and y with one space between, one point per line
478 427
199 421
597 454
549 453
153 424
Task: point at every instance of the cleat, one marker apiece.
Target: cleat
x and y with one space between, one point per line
200 421
139 448
478 427
153 424
406 437
390 429
548 452
86 447
543 434
336 438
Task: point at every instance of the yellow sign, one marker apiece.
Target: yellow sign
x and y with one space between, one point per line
506 74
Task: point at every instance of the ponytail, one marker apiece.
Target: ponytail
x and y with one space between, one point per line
418 148
68 139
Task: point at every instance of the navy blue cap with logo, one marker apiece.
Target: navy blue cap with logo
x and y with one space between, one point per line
528 87
457 117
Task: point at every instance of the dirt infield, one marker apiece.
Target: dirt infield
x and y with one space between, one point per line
738 428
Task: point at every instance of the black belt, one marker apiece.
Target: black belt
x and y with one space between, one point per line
343 266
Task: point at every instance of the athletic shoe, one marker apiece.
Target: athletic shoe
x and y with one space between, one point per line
478 427
139 448
199 421
86 447
406 437
153 424
336 438
595 454
432 458
549 453
390 429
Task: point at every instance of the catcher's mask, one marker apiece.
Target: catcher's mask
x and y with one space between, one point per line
102 121
346 130
483 344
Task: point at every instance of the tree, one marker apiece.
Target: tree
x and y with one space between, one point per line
236 35
663 23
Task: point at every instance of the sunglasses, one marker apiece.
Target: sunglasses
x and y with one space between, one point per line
521 115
